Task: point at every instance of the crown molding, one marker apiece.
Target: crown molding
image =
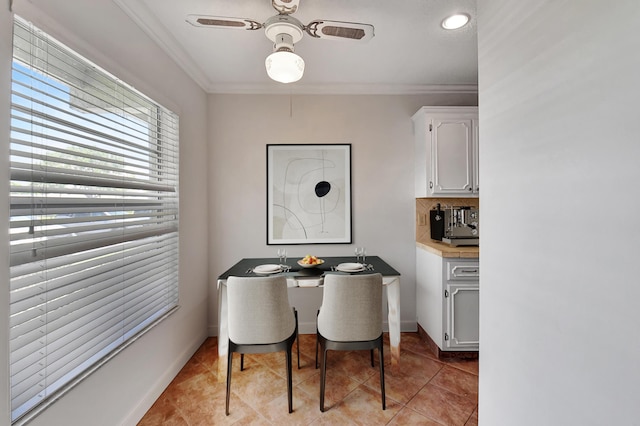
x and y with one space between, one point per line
158 33
145 19
340 89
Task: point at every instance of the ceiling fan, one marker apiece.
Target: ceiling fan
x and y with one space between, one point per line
284 31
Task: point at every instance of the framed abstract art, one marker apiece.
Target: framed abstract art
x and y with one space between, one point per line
309 194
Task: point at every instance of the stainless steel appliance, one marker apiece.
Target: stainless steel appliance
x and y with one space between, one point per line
457 226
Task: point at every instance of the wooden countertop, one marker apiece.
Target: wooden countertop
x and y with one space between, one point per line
445 250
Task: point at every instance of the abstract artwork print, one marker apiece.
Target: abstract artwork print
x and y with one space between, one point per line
308 194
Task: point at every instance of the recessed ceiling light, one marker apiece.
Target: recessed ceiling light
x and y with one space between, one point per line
456 21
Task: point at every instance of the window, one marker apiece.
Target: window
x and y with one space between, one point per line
93 222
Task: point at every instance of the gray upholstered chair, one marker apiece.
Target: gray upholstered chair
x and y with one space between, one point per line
260 321
350 318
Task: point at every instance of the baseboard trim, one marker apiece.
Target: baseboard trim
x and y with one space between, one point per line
145 403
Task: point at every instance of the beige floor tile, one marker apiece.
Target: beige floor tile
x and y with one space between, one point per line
337 386
332 418
364 407
470 365
163 412
415 371
305 410
442 406
425 390
257 385
457 381
473 420
356 365
407 416
414 343
307 345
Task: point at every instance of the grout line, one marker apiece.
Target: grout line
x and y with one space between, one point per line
307 358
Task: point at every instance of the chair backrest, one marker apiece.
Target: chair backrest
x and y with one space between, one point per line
259 310
351 307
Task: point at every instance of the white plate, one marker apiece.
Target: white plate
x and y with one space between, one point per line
350 267
267 269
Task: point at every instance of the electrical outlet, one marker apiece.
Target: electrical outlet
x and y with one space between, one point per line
422 219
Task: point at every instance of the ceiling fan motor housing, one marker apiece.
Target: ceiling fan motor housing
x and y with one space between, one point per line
284 31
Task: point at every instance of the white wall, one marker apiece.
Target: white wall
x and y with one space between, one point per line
123 390
381 133
559 159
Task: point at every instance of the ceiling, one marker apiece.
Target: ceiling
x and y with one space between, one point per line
410 52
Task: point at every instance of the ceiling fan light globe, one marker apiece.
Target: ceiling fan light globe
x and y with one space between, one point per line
284 67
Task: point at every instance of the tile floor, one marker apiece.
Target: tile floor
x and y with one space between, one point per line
426 391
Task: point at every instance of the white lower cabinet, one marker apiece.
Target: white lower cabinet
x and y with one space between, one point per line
447 297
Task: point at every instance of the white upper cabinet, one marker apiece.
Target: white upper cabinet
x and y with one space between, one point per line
446 156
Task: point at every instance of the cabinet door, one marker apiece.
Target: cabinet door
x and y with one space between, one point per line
422 155
429 295
452 144
463 314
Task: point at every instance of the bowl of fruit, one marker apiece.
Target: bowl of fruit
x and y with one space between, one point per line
310 261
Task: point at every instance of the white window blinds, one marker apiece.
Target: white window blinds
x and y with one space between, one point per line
94 217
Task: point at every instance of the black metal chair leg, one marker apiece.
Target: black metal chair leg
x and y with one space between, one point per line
289 381
297 337
317 313
229 361
381 356
323 377
241 362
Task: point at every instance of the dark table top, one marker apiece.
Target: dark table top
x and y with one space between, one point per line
240 269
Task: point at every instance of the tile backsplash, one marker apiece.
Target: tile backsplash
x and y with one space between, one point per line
424 205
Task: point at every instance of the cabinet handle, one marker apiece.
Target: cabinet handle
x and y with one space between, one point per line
470 189
431 184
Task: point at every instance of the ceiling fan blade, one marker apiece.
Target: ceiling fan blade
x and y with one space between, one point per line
285 7
339 30
223 22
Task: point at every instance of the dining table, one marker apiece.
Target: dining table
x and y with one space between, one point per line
299 276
